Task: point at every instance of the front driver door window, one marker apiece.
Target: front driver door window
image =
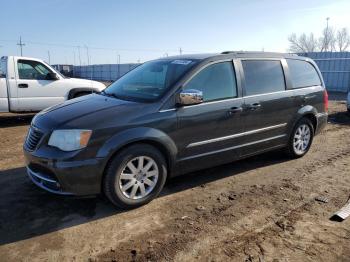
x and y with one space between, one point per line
217 82
34 70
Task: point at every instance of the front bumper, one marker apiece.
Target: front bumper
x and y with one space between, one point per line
80 177
49 184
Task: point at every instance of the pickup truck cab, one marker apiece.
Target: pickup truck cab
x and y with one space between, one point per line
31 85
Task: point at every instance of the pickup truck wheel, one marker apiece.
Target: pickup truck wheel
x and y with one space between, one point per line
301 138
135 176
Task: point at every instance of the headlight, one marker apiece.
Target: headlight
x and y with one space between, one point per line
70 140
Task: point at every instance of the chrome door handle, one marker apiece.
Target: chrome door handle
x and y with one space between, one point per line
254 106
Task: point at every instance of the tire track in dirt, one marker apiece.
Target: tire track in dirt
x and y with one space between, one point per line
208 229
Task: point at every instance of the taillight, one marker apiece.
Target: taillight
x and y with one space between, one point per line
325 100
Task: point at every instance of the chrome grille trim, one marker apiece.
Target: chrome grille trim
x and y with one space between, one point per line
42 181
33 138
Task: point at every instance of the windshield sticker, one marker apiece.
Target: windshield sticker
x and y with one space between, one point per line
181 62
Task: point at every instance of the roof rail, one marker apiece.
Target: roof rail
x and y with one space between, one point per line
228 52
243 52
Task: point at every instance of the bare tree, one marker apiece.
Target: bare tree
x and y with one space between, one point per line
327 40
343 39
302 44
330 40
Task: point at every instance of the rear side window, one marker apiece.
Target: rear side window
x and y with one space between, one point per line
216 81
263 76
3 68
303 74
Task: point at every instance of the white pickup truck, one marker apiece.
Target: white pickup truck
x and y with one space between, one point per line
30 85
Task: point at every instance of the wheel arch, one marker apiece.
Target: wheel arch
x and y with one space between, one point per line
308 112
150 136
75 91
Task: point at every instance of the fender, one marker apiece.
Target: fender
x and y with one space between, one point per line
305 110
74 91
139 134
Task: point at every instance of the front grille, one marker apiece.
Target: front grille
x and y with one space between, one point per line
33 138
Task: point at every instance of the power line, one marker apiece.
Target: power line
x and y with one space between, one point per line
99 48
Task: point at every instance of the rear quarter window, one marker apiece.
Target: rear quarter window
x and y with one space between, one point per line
303 74
3 63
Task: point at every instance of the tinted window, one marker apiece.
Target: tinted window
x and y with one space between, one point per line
150 80
3 68
263 76
28 69
302 73
216 81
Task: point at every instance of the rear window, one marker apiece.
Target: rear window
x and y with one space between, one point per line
263 76
303 74
3 63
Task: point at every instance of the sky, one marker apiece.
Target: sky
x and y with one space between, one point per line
71 31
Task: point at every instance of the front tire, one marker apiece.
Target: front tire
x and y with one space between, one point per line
301 138
80 94
135 176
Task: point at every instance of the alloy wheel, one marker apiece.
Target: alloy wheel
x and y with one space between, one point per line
301 139
139 177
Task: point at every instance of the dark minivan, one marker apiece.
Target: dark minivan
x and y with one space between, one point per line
175 115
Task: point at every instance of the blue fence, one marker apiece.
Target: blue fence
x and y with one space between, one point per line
107 72
335 69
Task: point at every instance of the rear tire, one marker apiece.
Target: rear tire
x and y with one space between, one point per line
301 138
135 176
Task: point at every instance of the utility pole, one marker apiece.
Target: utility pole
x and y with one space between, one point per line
327 35
48 54
74 57
88 61
118 62
79 55
180 50
21 44
87 54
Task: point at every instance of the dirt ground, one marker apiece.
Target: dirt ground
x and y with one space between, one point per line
258 209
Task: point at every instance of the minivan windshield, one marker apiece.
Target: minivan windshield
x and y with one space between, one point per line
149 81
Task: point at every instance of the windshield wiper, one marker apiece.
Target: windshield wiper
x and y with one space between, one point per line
104 93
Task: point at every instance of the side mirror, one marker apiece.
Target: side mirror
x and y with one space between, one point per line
190 97
52 76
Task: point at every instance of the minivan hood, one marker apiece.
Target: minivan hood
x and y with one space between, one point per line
66 115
